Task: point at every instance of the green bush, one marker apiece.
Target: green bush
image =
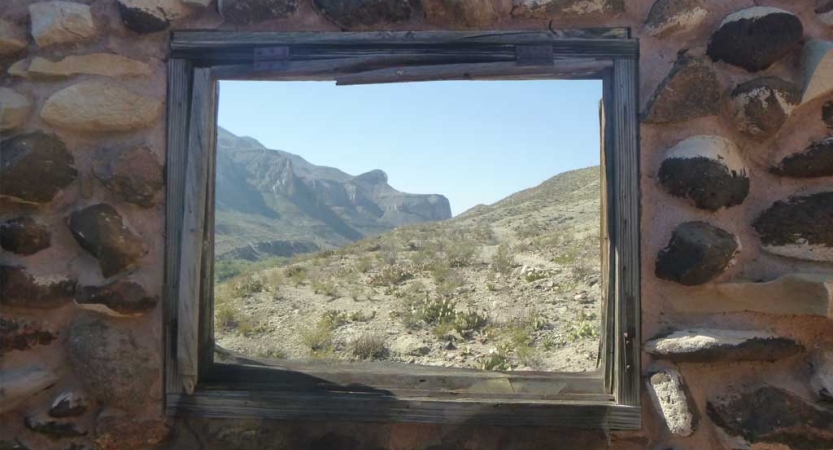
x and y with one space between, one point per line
503 260
368 346
390 275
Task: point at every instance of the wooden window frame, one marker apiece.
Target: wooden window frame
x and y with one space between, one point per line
196 385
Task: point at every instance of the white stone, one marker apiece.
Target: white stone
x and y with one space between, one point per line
697 339
802 250
20 384
12 38
712 147
817 67
100 106
14 109
755 12
61 22
669 399
103 64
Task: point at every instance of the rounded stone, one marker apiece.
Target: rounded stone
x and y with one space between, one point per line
150 16
815 161
54 429
674 16
101 231
460 13
668 393
244 12
800 227
100 106
68 404
14 109
712 345
133 174
361 13
707 171
115 368
59 22
18 334
24 236
755 38
21 289
34 167
817 69
824 11
691 90
698 252
760 107
553 9
12 38
120 298
102 64
827 114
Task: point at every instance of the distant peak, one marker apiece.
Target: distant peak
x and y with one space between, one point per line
373 177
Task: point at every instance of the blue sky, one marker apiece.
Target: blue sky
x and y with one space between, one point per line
472 141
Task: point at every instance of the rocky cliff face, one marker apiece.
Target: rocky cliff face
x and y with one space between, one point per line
274 203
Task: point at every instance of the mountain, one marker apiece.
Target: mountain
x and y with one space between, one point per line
274 203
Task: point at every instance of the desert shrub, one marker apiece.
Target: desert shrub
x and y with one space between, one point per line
535 275
423 258
364 264
272 352
356 293
497 359
390 275
439 271
585 326
225 270
225 316
248 284
325 287
333 319
296 274
437 311
318 338
228 318
503 260
467 322
449 285
461 253
368 346
389 254
359 316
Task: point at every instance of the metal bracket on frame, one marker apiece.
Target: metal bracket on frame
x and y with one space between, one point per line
534 55
271 58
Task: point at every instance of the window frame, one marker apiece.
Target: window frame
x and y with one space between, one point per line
196 385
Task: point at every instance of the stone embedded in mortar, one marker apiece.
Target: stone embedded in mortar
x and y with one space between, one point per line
120 298
114 366
800 227
68 403
19 69
675 16
668 393
77 446
760 107
20 384
13 444
12 38
132 174
706 170
100 230
770 415
14 109
827 114
824 11
359 13
553 9
822 379
24 236
59 22
705 345
815 161
117 431
100 106
34 167
817 69
54 429
102 64
150 16
689 91
22 289
244 12
19 334
755 38
460 13
198 3
697 252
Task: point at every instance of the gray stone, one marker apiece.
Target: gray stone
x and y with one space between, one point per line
14 109
690 90
822 378
24 236
409 346
100 230
120 298
12 38
817 69
21 384
132 174
96 106
800 227
19 334
118 431
59 22
460 13
770 415
68 404
760 107
815 161
675 16
114 367
824 11
721 345
697 253
551 9
827 114
244 12
362 13
21 289
34 167
150 16
755 38
668 394
54 429
707 171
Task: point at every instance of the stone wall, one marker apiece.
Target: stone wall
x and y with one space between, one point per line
737 159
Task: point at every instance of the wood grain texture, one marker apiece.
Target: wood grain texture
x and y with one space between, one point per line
206 297
607 352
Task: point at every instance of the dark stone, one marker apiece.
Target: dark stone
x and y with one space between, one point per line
358 13
800 227
815 161
761 106
68 404
24 236
122 297
243 12
460 13
77 446
141 19
755 38
827 114
13 444
114 367
697 252
132 174
100 230
707 345
54 429
770 415
114 431
690 90
552 9
18 334
19 288
34 167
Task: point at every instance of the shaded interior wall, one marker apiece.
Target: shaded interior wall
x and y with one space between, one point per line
81 317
